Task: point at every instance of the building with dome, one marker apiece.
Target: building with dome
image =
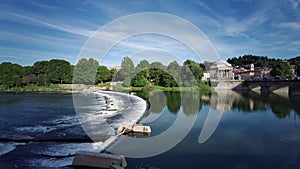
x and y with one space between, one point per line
220 70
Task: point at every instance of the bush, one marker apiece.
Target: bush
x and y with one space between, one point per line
126 82
139 81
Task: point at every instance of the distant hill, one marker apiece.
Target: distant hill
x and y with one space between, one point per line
258 61
294 61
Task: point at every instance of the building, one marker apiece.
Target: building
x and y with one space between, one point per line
243 74
220 70
115 67
206 76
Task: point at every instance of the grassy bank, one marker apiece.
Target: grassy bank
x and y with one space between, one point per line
201 87
36 88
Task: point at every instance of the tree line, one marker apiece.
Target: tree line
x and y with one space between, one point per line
172 75
281 68
88 71
144 73
42 73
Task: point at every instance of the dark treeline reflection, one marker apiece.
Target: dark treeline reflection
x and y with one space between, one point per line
189 101
224 100
253 102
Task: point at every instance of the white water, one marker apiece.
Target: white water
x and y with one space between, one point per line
96 123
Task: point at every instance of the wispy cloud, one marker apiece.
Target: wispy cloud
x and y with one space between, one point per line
290 25
24 19
295 3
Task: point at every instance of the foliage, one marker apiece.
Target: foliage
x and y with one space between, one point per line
144 64
195 69
10 75
59 71
282 69
174 70
85 71
139 80
126 82
204 86
103 74
258 61
127 68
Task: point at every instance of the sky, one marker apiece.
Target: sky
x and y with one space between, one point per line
35 30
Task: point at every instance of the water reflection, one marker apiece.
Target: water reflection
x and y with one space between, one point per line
222 100
225 100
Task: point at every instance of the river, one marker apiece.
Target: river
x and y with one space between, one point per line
223 129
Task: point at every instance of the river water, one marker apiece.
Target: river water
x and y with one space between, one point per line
223 129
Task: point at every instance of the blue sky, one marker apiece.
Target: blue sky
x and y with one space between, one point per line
46 29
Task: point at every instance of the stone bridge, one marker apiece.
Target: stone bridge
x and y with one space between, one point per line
290 87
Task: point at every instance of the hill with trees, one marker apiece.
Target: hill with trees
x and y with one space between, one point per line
258 61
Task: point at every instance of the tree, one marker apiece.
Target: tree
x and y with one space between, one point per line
195 68
59 71
103 74
127 68
85 71
158 65
10 75
143 67
166 80
41 69
258 61
144 64
174 70
139 80
298 69
126 82
282 69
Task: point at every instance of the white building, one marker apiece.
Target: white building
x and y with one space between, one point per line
221 70
206 76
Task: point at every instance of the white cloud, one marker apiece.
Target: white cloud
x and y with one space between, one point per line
290 25
37 21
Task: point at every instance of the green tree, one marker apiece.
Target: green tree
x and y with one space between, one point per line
59 71
28 70
195 69
126 82
174 70
144 64
41 69
85 71
282 69
166 80
103 74
143 67
139 80
10 75
186 76
127 68
158 65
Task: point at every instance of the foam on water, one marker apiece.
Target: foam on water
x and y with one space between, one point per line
48 126
100 116
6 147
